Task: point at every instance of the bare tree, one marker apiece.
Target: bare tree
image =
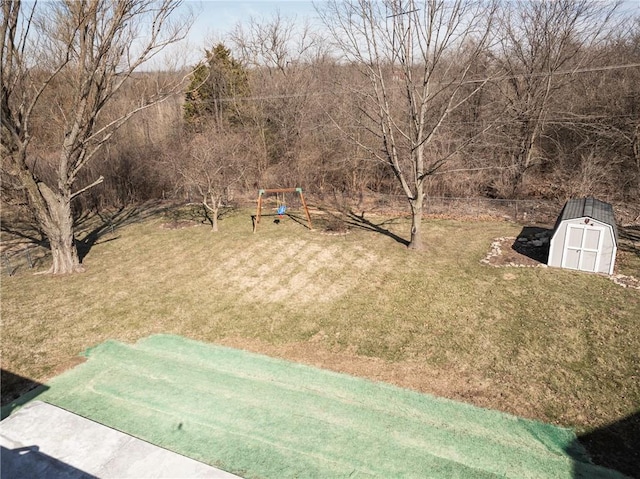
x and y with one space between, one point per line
212 165
93 47
279 52
542 45
417 56
608 117
276 43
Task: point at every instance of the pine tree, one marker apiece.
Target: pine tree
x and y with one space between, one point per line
216 85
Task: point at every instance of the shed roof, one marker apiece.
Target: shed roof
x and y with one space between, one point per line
591 208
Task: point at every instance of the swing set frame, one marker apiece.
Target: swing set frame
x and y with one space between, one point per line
278 191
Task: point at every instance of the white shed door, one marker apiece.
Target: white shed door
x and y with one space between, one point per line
582 247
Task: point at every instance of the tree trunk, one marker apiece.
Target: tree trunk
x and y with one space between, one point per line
636 153
58 227
64 251
212 210
416 222
214 220
522 160
53 214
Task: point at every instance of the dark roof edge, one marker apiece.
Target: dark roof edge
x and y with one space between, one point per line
591 208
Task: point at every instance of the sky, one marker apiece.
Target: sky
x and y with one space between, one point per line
220 15
215 18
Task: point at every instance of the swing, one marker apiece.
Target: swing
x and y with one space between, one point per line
281 209
282 206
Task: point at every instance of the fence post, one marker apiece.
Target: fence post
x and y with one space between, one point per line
29 258
7 263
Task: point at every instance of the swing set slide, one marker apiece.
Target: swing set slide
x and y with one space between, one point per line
282 207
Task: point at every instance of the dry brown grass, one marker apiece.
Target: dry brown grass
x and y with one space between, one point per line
547 344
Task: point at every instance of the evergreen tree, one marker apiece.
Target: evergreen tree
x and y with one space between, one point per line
215 86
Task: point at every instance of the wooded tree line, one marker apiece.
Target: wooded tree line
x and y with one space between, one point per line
514 99
275 106
548 107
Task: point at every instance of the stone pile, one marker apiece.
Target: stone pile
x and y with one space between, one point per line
537 240
626 281
496 251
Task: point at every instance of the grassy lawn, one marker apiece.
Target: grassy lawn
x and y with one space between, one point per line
546 344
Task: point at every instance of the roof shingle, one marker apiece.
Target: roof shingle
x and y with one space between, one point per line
591 208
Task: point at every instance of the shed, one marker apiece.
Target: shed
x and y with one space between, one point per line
585 237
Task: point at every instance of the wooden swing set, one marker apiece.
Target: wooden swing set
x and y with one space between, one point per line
281 204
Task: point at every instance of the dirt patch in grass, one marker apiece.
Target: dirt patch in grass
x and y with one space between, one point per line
298 271
502 253
410 374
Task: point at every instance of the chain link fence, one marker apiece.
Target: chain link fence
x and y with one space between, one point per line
529 212
526 211
20 258
25 256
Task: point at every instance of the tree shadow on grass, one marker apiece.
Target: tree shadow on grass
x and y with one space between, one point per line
24 244
277 219
95 227
359 221
302 221
107 224
616 446
533 242
25 231
90 227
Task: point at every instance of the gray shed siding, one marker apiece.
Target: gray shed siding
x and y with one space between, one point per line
585 237
583 244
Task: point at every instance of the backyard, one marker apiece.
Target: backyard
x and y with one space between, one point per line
546 344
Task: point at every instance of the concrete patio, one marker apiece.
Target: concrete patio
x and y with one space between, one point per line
45 441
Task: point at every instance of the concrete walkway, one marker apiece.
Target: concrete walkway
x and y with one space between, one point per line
44 441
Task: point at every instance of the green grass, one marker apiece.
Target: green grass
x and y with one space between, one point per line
263 417
545 344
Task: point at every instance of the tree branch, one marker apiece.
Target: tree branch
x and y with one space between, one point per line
97 182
